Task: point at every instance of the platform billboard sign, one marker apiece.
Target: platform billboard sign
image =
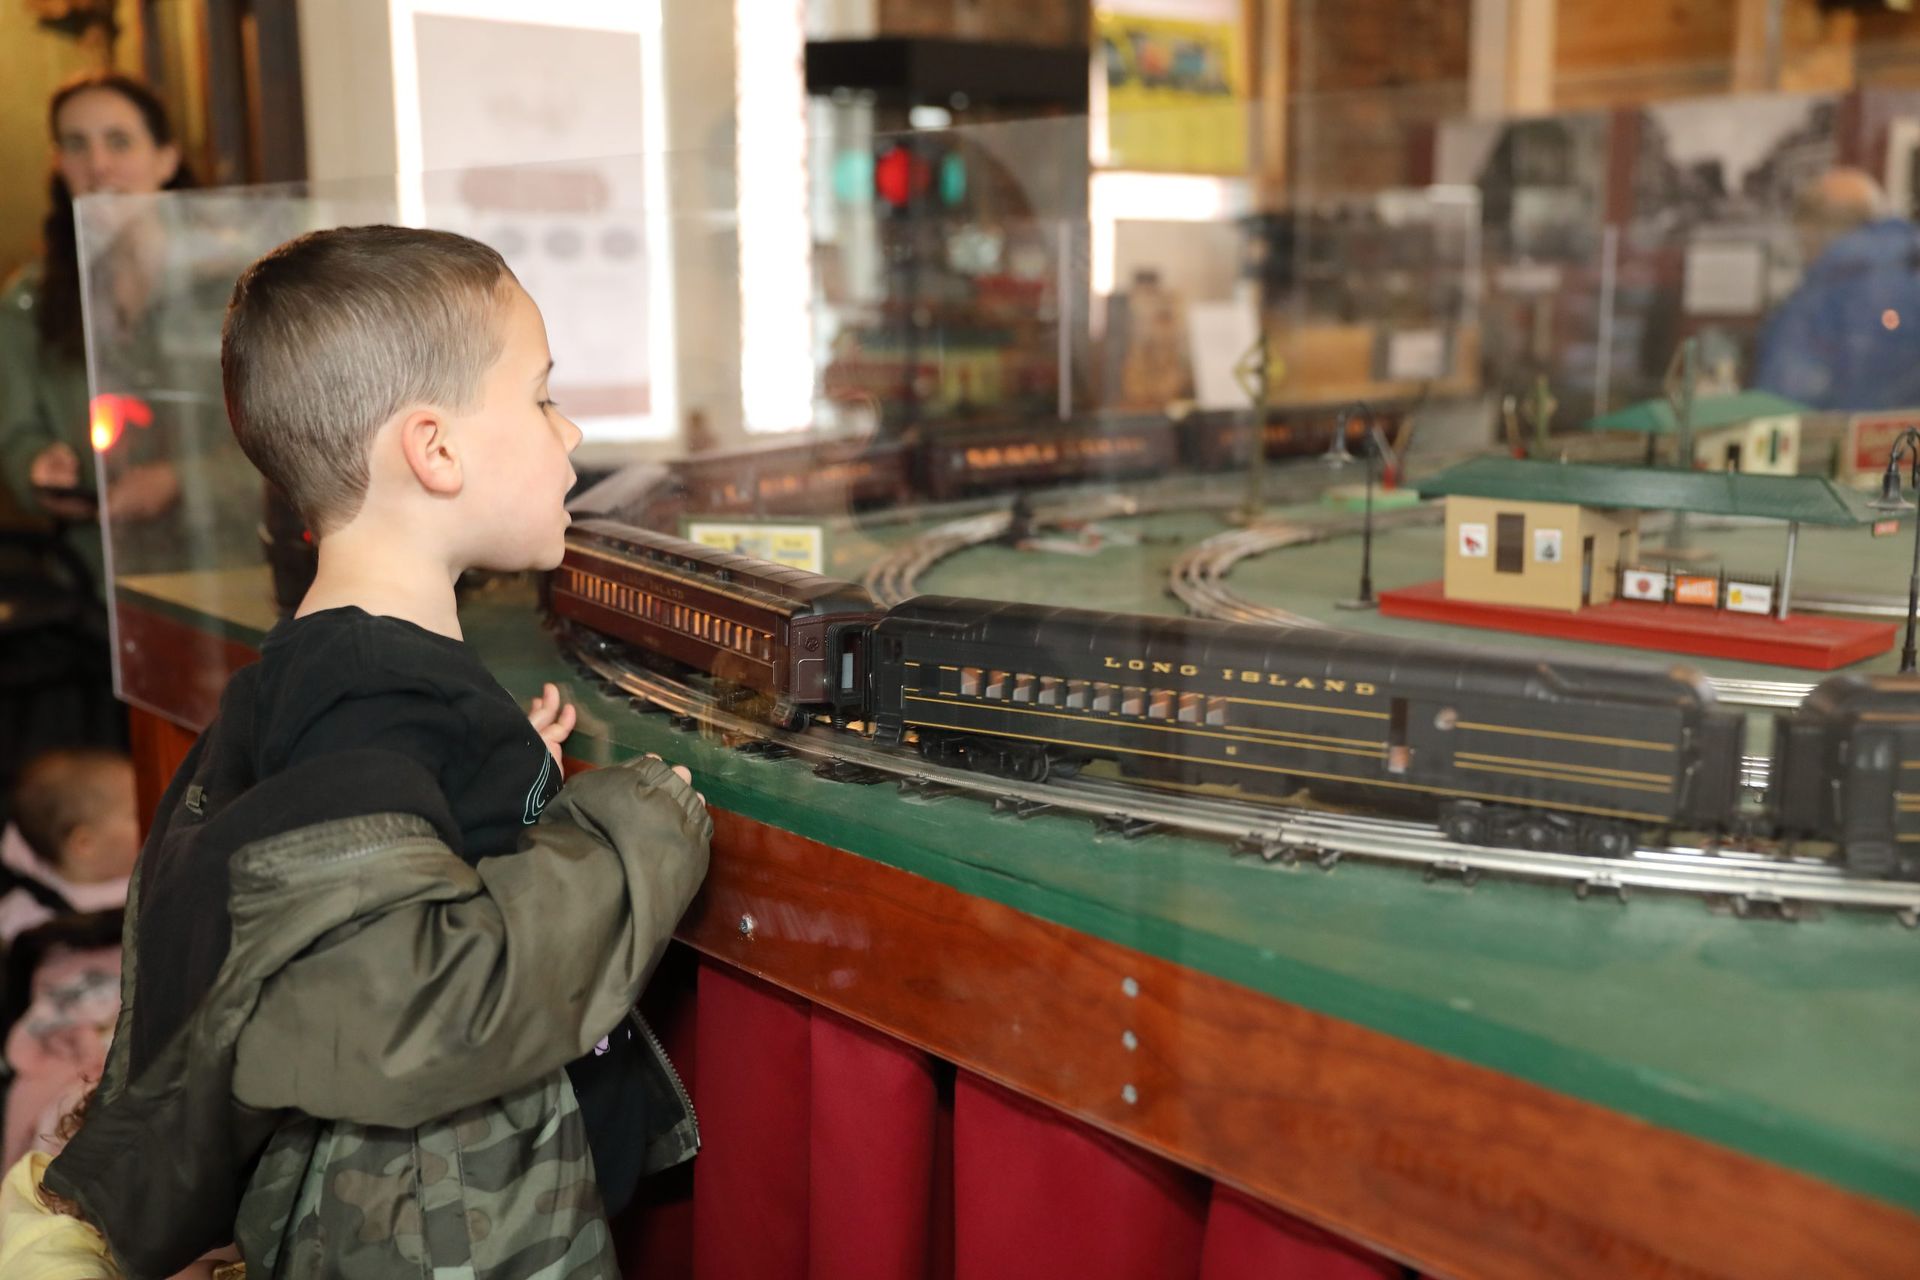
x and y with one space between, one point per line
1644 584
1696 588
1750 597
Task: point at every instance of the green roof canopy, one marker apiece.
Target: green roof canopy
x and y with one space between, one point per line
1656 417
1806 499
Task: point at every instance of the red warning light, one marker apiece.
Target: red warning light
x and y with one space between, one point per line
111 414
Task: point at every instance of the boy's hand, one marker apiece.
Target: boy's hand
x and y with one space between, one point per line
552 719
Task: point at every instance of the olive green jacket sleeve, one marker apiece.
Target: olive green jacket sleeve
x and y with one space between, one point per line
486 977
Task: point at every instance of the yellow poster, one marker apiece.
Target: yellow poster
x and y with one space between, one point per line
1175 101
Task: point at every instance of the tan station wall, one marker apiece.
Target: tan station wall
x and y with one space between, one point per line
1541 584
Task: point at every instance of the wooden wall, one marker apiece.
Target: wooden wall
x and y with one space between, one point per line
1368 76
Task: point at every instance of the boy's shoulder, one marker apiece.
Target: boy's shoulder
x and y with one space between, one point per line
343 675
350 646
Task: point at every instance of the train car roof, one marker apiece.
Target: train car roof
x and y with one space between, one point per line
1853 693
1305 651
778 580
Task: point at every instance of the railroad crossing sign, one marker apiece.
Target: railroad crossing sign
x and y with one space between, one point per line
1258 369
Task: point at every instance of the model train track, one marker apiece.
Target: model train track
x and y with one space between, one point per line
1746 880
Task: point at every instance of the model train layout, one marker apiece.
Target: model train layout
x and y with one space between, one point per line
1544 755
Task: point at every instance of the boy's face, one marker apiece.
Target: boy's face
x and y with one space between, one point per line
514 469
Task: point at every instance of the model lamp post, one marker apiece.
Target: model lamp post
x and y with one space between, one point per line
1373 450
1891 503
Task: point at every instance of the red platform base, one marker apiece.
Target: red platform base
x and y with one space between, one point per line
1803 640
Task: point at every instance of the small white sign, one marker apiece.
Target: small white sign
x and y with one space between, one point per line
1416 355
1643 584
1473 541
1546 546
1747 597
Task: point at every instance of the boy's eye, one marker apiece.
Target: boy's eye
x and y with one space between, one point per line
549 404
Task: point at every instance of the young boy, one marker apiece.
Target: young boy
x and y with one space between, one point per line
343 1037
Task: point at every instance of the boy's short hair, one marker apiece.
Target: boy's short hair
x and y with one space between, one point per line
60 789
331 334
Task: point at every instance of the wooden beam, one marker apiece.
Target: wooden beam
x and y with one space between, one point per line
1792 46
1510 60
1530 56
1269 27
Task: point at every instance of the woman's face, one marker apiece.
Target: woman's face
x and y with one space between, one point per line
101 144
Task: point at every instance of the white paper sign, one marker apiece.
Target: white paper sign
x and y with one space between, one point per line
1546 546
1473 541
1746 597
1642 584
1416 354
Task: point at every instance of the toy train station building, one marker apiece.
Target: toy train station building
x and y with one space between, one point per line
1553 548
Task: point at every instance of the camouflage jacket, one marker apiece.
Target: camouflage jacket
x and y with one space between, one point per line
375 1086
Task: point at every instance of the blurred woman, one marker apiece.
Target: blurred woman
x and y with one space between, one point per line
111 134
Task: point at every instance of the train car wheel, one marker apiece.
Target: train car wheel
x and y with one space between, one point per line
1463 822
1601 839
1538 835
1028 763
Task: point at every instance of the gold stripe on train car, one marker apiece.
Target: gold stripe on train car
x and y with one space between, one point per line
1301 706
1160 726
1611 783
1642 744
1329 777
1564 766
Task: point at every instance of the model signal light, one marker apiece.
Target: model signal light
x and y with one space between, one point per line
901 173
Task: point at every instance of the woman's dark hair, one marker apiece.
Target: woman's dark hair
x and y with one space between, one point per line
60 287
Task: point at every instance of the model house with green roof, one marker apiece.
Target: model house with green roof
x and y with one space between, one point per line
1755 432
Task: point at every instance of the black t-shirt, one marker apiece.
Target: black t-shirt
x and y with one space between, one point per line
343 679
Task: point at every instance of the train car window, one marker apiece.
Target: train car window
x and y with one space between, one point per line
970 682
1217 711
1509 551
1049 695
1190 706
1161 704
996 684
1103 695
1399 754
1023 687
1445 718
1077 695
1133 700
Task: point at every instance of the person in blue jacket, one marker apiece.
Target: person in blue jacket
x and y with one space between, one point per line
1849 336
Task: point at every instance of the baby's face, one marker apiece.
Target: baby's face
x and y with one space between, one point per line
105 845
513 452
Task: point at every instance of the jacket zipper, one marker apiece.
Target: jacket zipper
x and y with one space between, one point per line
673 1076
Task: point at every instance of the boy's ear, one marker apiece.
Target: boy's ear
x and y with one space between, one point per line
427 444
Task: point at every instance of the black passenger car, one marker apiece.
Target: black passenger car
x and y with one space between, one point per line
1846 768
1546 755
